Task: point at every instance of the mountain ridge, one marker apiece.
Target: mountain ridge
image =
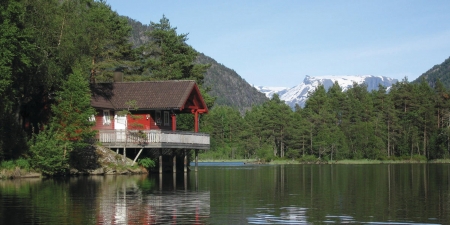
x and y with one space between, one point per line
437 72
299 94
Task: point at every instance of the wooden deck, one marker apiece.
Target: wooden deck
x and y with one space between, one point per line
153 139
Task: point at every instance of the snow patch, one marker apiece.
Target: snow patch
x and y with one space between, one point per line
299 94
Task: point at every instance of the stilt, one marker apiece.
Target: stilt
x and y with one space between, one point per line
196 181
196 160
185 181
174 161
174 181
125 155
185 160
137 156
160 182
160 161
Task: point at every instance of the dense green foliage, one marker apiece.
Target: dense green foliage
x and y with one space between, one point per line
146 162
409 122
51 52
69 130
41 43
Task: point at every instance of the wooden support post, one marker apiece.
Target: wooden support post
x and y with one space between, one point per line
160 182
196 181
196 122
185 181
137 156
160 161
174 161
185 161
125 155
196 160
174 181
174 122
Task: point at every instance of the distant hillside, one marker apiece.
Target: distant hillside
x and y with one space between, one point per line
437 72
226 85
138 30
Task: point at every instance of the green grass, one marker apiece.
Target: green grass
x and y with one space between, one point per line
12 164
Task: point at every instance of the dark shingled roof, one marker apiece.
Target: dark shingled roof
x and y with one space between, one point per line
148 95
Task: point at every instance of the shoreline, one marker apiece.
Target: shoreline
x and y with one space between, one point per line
343 162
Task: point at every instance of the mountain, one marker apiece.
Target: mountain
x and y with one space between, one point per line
299 94
438 72
225 84
228 87
270 91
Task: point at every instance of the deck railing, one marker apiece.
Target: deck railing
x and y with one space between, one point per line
144 137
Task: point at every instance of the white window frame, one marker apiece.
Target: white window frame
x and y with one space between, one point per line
92 118
106 117
166 118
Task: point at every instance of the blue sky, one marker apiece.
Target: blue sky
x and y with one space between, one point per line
277 43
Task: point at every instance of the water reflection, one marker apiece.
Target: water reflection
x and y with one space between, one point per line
138 202
103 200
288 215
248 194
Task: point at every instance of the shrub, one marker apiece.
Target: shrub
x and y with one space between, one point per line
49 152
308 158
12 164
419 158
146 162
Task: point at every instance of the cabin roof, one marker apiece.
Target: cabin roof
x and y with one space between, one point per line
172 94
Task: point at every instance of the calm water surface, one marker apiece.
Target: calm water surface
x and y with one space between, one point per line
221 193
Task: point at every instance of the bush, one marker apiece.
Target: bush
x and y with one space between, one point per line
146 162
8 165
308 158
419 158
265 153
12 164
49 153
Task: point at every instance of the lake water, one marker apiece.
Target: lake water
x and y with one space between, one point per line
221 193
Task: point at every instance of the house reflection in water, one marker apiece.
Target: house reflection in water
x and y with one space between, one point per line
137 201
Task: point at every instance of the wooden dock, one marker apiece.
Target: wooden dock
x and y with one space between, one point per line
161 140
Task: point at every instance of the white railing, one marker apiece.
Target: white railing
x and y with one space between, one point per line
152 136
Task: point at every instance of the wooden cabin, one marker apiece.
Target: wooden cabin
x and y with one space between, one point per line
144 114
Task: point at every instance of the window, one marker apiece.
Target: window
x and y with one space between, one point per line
166 119
158 117
92 118
106 117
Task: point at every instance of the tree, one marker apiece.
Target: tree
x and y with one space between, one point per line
15 61
105 36
168 57
70 129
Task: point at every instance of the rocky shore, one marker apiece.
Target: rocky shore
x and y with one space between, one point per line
108 163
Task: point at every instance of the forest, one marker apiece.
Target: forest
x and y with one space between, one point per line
410 121
53 51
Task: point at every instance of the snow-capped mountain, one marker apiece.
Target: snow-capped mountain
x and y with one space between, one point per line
299 94
269 91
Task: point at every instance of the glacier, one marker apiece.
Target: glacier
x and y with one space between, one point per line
299 93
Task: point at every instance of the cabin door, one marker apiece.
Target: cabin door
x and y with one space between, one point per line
120 124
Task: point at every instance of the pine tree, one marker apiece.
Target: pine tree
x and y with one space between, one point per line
70 128
168 57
